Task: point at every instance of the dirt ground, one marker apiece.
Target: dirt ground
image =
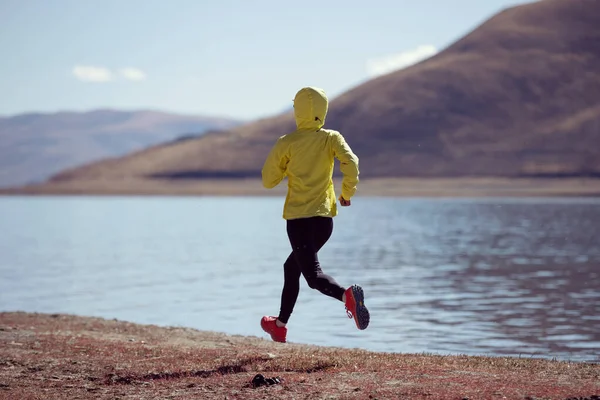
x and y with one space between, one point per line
46 356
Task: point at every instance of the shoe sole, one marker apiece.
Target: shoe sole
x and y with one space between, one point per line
361 314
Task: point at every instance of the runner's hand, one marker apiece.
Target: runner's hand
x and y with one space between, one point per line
344 202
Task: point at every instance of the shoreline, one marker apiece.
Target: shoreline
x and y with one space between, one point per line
62 356
380 187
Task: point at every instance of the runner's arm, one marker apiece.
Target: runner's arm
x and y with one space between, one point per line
273 170
348 165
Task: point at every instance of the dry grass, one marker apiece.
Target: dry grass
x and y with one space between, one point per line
66 357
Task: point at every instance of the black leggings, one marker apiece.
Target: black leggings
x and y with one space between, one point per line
307 236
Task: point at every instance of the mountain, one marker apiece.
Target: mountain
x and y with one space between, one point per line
34 146
519 96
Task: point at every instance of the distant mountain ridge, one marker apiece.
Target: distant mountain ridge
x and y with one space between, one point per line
33 146
519 96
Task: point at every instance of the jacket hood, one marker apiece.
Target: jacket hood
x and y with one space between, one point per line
310 108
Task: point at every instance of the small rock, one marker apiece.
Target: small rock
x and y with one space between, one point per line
260 380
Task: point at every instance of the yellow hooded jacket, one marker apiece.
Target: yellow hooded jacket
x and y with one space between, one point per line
306 157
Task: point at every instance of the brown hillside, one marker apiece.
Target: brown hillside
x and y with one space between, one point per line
518 96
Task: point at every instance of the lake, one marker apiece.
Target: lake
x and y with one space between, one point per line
517 277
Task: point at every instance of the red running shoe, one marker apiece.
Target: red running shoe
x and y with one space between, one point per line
277 333
355 306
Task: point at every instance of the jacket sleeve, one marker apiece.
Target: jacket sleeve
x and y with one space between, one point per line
275 165
348 165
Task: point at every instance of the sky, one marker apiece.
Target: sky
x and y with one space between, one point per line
229 58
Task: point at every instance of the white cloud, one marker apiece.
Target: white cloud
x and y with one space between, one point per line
90 73
384 65
133 74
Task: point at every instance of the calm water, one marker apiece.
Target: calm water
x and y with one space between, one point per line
494 277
